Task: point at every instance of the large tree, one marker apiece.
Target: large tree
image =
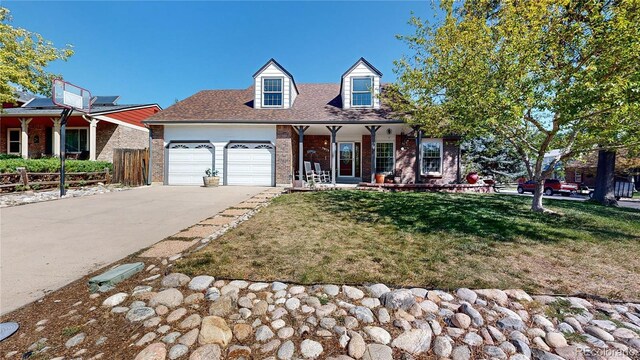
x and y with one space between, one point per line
540 75
490 156
24 56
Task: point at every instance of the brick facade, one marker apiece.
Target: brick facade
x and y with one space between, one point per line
110 136
157 153
405 160
587 174
366 158
284 154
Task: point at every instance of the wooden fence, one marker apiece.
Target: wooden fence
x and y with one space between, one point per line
131 166
23 180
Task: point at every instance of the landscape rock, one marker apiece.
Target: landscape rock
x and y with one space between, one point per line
467 295
310 349
201 283
114 300
378 334
175 280
206 352
398 299
214 330
352 292
223 306
170 298
155 351
75 340
442 347
140 314
415 341
178 351
378 352
377 290
363 314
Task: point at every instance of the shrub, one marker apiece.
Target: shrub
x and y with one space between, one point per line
9 156
52 165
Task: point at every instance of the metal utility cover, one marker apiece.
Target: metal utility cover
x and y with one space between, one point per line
7 329
107 280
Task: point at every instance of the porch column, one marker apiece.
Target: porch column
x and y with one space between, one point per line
24 137
418 153
56 137
301 130
93 127
334 149
373 130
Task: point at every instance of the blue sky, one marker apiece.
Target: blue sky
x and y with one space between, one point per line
159 51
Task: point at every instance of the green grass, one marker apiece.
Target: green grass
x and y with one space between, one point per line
432 240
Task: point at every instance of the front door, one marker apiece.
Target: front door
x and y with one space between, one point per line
346 159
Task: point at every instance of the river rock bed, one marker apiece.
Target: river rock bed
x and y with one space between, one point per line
30 196
197 318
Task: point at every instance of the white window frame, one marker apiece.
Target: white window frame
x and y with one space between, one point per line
9 130
88 140
393 155
371 80
441 145
281 92
577 177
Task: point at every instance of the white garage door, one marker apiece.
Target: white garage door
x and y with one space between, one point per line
250 164
187 162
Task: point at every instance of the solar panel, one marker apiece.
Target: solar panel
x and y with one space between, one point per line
41 103
105 100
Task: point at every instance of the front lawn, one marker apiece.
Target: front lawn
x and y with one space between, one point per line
432 240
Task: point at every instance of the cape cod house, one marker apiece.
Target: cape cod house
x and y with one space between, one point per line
30 127
263 134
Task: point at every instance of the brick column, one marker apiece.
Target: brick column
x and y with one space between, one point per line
284 155
157 153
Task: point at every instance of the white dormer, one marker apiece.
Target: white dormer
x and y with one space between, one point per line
274 87
361 86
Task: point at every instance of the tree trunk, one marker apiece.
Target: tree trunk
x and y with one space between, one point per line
537 197
604 192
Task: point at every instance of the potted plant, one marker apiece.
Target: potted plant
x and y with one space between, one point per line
472 177
212 179
380 178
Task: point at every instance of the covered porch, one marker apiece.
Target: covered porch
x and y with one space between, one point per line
40 136
354 153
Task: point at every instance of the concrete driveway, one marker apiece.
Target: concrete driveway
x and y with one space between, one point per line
47 245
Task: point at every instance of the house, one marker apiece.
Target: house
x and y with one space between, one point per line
30 128
583 170
261 135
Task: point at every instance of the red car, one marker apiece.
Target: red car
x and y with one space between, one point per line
551 186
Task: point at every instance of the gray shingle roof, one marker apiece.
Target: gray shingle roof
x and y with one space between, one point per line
316 103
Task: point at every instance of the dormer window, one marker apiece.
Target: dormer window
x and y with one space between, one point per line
361 93
271 92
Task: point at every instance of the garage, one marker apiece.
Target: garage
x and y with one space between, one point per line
188 161
250 163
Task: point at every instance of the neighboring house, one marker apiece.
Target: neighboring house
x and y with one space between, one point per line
262 135
583 170
31 128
